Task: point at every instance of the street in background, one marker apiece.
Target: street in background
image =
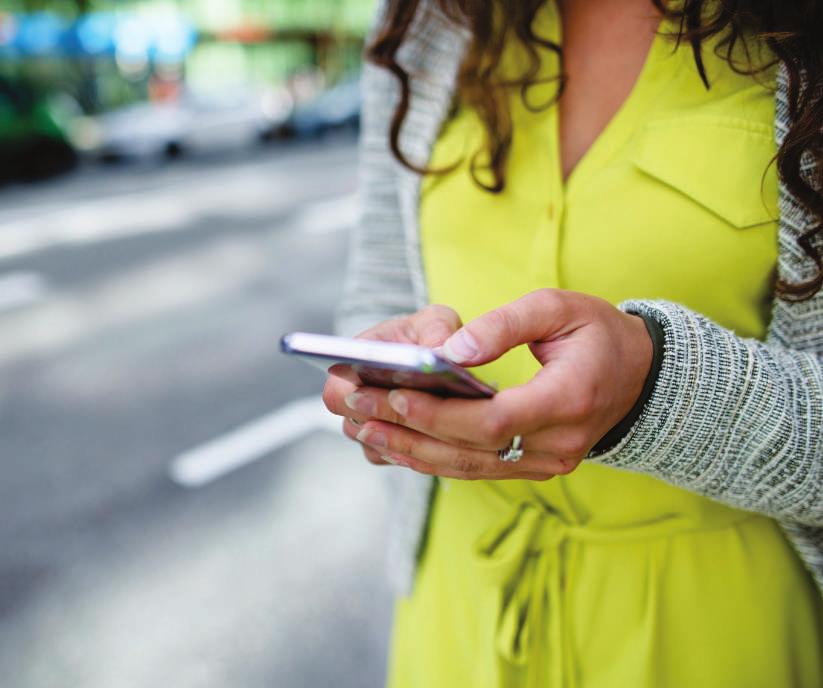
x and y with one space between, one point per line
178 508
176 505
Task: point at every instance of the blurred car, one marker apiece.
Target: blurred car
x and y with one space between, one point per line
336 108
195 122
32 143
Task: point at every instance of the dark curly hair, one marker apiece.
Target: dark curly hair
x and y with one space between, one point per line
793 32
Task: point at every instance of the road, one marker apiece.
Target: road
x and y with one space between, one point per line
164 520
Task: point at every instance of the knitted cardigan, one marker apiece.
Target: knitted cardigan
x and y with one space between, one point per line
736 420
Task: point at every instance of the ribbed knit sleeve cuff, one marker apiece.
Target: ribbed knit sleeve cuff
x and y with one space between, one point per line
622 429
628 444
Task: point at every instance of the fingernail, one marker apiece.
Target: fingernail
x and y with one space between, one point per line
362 403
461 347
374 439
394 462
398 402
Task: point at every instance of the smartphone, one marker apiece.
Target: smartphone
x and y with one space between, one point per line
387 364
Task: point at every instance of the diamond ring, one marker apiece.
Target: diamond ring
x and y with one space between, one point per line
514 452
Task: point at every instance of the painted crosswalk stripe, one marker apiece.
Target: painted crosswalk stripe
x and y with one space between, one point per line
253 441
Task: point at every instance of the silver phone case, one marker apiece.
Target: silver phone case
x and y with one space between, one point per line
387 364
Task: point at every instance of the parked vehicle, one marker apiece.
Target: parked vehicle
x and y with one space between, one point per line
192 123
334 109
32 143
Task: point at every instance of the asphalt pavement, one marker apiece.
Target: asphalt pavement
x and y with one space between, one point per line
176 507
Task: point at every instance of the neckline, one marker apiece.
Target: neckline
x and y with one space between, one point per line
631 106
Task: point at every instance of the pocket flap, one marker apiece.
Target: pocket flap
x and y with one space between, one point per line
724 164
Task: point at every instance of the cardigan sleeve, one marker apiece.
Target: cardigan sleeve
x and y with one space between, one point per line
378 282
736 420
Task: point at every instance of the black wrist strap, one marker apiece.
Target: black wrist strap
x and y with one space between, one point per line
619 431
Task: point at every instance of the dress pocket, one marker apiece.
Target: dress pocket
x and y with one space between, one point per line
724 164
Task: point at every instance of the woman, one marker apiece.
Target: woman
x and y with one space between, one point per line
529 164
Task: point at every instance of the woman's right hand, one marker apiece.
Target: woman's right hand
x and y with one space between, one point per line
429 327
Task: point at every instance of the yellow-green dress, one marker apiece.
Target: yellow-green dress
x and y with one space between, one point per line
606 578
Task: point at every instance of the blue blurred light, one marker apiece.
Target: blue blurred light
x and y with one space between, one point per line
128 36
40 33
95 33
132 39
173 39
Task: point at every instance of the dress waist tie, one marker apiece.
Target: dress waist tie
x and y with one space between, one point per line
530 557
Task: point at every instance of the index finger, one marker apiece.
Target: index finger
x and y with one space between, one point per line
334 395
345 372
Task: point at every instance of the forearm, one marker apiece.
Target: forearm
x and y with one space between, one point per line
733 419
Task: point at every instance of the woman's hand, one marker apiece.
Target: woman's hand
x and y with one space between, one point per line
595 361
429 327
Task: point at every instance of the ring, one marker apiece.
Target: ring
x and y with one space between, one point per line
514 452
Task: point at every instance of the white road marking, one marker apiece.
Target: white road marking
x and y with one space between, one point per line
21 289
147 291
170 209
213 460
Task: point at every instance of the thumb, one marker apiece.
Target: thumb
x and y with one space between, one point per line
435 324
540 315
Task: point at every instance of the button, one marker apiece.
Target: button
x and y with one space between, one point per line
551 212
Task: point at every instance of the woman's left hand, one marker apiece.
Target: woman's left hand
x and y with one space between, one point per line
595 361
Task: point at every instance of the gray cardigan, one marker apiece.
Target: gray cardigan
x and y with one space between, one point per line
737 420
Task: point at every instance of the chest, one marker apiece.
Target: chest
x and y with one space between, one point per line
605 46
675 198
